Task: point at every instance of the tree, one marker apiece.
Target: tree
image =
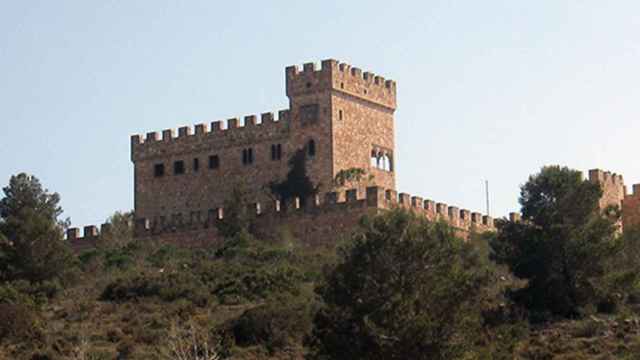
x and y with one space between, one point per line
33 248
237 218
120 230
405 289
297 183
561 246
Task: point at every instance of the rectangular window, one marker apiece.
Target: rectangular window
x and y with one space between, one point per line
247 156
158 170
276 152
214 162
196 164
178 167
340 114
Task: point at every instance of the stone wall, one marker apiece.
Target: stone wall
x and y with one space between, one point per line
321 221
631 208
338 115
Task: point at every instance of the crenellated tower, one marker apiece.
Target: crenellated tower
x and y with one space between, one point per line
348 114
341 117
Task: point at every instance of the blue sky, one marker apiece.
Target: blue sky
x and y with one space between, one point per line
486 89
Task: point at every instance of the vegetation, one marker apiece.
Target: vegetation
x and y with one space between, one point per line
562 283
297 183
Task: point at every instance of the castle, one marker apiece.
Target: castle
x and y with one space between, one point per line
340 117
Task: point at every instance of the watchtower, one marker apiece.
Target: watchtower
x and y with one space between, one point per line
341 117
347 116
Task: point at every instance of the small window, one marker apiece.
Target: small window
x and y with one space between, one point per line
308 85
196 164
276 152
178 167
214 162
311 148
339 114
158 170
247 156
341 85
365 91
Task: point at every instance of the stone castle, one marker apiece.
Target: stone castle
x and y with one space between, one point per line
341 117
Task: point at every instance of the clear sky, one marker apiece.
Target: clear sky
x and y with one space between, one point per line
486 89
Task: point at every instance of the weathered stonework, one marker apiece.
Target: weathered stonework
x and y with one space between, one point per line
340 116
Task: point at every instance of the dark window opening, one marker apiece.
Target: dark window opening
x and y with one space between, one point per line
214 162
276 152
311 148
308 85
365 91
178 167
341 85
247 156
196 164
340 114
158 170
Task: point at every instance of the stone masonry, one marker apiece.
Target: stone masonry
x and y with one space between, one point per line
340 116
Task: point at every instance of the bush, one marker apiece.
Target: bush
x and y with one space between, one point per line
276 325
260 283
168 287
405 289
19 322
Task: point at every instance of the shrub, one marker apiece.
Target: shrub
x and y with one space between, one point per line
276 325
405 289
19 322
169 287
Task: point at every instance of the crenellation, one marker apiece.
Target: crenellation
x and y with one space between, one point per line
90 231
404 200
476 218
417 202
168 135
201 129
184 131
216 126
267 118
233 123
151 136
515 217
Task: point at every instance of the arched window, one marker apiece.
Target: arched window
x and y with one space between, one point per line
311 148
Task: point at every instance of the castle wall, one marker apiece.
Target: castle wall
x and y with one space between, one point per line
322 221
613 189
195 193
631 209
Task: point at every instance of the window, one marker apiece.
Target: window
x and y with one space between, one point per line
178 167
214 162
339 114
196 164
276 152
158 170
311 148
247 156
382 159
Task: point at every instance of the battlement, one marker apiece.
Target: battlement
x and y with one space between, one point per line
600 176
218 131
342 78
348 203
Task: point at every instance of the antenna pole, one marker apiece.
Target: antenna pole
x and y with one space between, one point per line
486 186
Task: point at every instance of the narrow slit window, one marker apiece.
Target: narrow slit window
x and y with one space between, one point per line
311 148
214 162
196 164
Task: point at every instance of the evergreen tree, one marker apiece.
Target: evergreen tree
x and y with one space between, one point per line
33 248
406 289
561 246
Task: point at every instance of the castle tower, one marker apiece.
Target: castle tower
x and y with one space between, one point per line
342 118
347 116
